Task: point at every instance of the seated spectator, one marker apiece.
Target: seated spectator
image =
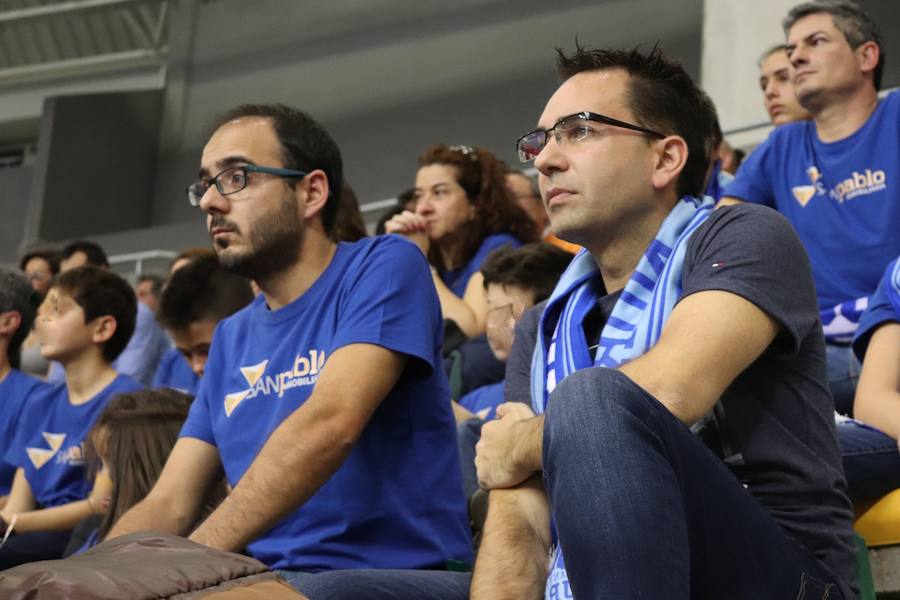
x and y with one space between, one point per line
18 391
515 279
88 322
323 400
731 158
685 446
195 299
148 289
831 176
349 225
776 79
717 179
463 212
186 256
869 445
41 267
147 345
527 194
131 441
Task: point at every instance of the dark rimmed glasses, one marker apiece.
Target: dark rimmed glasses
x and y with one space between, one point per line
234 179
570 130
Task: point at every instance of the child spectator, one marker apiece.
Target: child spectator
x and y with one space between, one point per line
196 298
463 212
515 279
85 323
16 389
131 441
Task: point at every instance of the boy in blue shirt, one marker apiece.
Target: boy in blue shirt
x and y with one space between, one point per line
324 400
835 177
195 299
16 388
85 322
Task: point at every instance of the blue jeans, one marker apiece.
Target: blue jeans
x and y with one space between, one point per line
644 510
843 375
32 547
380 584
871 462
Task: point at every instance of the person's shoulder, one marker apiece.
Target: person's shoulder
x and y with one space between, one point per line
382 247
496 240
241 318
745 216
124 383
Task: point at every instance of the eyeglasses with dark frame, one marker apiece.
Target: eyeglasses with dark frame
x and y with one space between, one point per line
234 179
570 129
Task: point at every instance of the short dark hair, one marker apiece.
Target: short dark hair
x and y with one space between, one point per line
851 20
93 252
50 256
101 293
305 146
202 290
349 225
16 294
156 280
536 267
662 96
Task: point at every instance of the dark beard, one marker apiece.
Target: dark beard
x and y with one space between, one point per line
275 240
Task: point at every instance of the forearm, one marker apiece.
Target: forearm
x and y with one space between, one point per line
259 500
879 408
456 309
512 560
528 452
58 518
152 514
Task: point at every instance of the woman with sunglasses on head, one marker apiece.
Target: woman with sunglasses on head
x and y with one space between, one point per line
463 212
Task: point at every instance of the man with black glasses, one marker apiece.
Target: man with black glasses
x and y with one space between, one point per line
324 400
685 443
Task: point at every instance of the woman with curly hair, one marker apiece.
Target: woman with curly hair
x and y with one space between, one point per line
463 212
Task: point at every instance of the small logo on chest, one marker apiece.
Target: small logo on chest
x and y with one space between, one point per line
304 372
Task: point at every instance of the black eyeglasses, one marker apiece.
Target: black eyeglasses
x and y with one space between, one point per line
570 130
234 179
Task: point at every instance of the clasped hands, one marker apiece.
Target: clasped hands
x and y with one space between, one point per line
509 450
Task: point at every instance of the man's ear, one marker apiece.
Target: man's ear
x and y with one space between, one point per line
867 54
317 194
10 321
669 160
103 329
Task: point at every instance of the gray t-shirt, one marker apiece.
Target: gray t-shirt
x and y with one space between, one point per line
779 414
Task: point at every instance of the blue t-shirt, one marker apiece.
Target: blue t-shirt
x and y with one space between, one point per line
18 392
884 307
175 372
50 445
458 279
484 401
397 500
843 198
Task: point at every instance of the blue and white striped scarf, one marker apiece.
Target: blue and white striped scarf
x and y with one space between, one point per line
633 327
637 318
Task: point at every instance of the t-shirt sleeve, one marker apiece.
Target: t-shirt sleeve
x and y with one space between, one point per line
884 307
518 365
391 303
30 416
754 179
753 251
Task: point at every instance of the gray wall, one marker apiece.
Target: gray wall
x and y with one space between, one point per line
14 186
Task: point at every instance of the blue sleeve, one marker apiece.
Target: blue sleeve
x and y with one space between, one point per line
29 422
754 179
884 307
141 356
392 303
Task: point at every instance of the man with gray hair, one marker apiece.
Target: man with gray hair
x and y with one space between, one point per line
834 177
17 312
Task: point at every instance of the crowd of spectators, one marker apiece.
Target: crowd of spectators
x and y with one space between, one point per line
656 368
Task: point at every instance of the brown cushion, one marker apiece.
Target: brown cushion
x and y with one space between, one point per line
144 566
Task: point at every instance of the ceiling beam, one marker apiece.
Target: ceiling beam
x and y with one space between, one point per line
55 10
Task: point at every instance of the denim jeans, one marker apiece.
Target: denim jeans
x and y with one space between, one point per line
31 547
644 510
380 584
871 462
843 375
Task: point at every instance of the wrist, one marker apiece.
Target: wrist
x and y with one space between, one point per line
528 452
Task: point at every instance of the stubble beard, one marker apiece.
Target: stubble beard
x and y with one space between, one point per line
275 240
